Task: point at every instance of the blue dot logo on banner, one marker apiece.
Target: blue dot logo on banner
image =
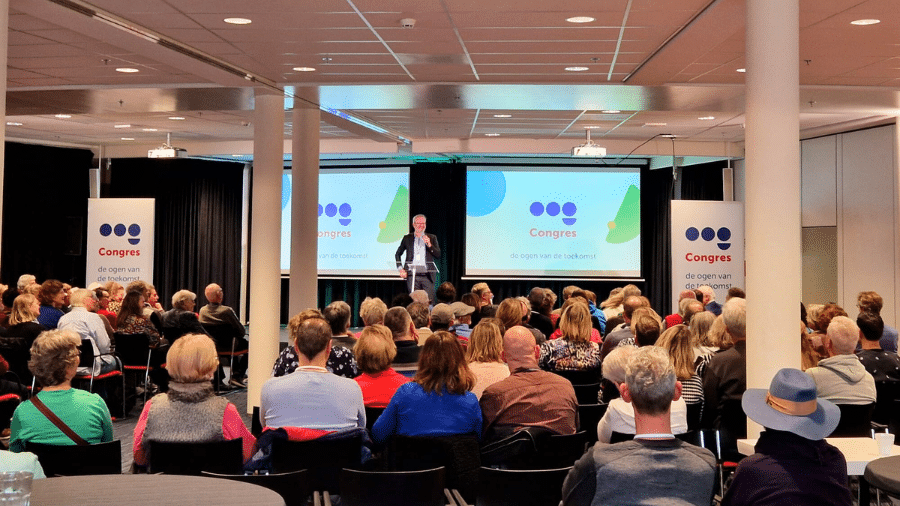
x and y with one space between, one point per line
708 234
133 230
332 210
553 209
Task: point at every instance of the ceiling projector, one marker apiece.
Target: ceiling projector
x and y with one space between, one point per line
589 148
167 150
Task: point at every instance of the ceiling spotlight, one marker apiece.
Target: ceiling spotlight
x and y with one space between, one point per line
576 69
127 138
127 70
667 136
122 126
503 115
149 129
492 135
591 127
741 70
63 116
580 19
305 69
13 123
176 118
706 118
654 124
864 22
610 111
237 21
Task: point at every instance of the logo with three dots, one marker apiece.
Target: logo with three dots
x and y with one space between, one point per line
332 210
133 230
553 209
708 234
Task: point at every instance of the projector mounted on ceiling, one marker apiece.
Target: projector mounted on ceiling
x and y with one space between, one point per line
167 150
589 148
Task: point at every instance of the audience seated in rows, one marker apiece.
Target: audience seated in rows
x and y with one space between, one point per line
181 319
340 360
215 315
438 402
485 356
529 397
131 322
311 396
689 367
678 318
655 467
842 378
89 325
371 311
337 314
462 320
421 318
398 321
574 350
54 361
375 351
541 302
190 411
624 331
52 299
725 379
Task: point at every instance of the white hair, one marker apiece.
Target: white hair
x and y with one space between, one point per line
844 334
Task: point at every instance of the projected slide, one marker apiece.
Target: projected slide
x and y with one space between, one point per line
551 221
363 214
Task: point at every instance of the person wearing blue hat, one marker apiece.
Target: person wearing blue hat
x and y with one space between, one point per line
793 463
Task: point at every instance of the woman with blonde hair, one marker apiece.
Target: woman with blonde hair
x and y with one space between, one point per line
116 294
700 326
595 334
677 341
574 350
438 401
54 362
191 362
484 355
374 351
718 337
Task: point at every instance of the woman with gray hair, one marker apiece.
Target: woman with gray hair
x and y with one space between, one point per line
619 415
54 361
181 319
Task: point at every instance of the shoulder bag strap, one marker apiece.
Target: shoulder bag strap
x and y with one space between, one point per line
56 421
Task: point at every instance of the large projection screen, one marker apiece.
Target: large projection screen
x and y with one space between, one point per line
553 222
363 214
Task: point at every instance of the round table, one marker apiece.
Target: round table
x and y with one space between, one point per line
144 489
884 474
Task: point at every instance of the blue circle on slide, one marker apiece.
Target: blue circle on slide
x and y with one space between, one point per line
569 209
105 229
134 229
485 192
345 209
692 234
552 208
330 210
536 208
708 234
119 230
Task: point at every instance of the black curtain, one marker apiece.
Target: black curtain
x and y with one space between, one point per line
702 181
45 192
198 221
656 250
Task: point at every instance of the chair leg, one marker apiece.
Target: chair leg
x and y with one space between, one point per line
231 364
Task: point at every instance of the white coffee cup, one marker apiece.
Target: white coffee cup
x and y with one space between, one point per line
885 443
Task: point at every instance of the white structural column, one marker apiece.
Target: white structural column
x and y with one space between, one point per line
265 240
304 201
772 207
4 45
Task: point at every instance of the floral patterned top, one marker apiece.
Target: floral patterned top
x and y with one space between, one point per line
137 325
562 355
340 362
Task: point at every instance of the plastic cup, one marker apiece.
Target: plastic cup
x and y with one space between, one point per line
885 443
15 488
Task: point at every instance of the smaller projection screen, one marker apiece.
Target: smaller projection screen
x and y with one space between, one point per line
363 214
553 221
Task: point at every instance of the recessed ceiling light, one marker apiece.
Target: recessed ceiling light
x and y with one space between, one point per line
741 70
236 156
149 129
503 115
706 118
580 19
238 21
654 124
610 111
864 22
63 116
176 118
13 123
305 69
122 126
492 135
668 136
591 127
127 138
127 70
576 69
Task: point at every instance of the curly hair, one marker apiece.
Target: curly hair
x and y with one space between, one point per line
52 354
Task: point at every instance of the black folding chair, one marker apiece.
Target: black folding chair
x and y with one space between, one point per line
397 488
224 457
292 486
78 460
324 458
513 487
87 360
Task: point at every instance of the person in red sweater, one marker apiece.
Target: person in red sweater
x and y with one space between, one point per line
374 352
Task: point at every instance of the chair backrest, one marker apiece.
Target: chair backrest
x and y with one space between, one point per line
324 459
460 454
581 377
618 437
518 449
86 354
589 416
886 393
293 487
372 414
133 349
856 420
397 488
507 487
587 393
8 405
193 458
561 450
74 460
221 334
694 411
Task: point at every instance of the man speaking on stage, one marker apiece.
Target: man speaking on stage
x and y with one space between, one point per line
421 251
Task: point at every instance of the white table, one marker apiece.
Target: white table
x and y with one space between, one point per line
858 451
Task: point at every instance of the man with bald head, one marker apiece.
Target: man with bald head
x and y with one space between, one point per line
221 323
529 397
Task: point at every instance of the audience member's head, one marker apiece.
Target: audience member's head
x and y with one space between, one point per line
613 367
792 388
510 313
398 321
485 343
842 336
25 308
700 326
313 338
709 294
484 293
82 297
526 308
192 358
132 305
812 315
871 326
442 365
575 323
372 310
375 349
462 313
52 293
824 317
54 357
734 314
441 317
615 299
631 303
297 319
9 296
650 382
536 298
718 334
735 292
141 286
116 291
24 281
645 327
445 293
519 349
213 293
471 299
568 291
419 314
685 294
184 300
419 296
691 308
869 302
676 340
404 299
337 314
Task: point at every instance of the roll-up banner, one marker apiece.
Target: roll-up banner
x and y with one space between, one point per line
707 246
120 240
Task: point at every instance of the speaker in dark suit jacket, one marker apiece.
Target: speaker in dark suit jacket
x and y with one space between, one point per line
424 280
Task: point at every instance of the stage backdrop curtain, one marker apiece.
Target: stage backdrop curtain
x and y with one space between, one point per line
656 248
45 191
198 222
702 181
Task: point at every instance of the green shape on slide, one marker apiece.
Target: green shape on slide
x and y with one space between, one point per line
395 223
628 218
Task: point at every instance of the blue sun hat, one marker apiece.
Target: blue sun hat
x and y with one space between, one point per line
790 404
